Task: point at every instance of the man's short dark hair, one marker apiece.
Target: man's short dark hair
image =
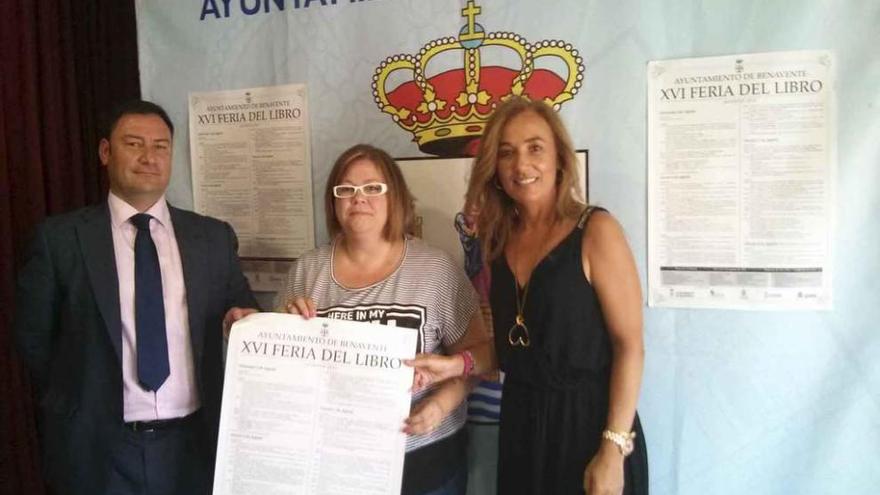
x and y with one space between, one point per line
136 107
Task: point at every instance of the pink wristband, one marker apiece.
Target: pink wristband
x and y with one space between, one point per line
468 359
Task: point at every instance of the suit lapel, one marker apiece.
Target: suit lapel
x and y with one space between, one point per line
96 246
191 243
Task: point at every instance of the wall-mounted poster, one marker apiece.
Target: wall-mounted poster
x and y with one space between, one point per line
741 167
439 186
251 166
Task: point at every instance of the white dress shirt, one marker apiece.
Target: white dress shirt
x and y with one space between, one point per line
178 396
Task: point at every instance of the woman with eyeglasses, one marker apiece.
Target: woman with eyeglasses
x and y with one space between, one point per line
374 269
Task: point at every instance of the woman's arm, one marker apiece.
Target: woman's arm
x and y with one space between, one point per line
479 343
609 265
427 415
435 368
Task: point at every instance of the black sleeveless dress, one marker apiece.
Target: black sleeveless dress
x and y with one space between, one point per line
554 404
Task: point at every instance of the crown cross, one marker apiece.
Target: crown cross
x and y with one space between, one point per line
448 109
471 12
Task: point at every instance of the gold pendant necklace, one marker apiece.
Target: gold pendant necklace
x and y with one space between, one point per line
519 332
518 335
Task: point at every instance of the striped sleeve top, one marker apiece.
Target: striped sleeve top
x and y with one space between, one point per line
427 292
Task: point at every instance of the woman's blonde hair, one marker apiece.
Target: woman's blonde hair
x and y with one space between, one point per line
401 208
495 210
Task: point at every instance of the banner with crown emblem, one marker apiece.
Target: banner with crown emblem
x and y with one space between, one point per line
418 77
406 75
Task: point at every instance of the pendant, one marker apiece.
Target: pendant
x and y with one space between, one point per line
519 333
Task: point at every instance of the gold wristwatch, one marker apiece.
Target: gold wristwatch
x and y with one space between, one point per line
623 440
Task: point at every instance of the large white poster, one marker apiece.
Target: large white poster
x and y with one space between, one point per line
313 407
741 167
251 166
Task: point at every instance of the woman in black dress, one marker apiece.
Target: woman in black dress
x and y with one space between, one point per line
567 314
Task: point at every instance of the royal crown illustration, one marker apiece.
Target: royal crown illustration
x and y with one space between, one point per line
447 110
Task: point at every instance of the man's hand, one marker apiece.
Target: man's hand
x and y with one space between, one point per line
233 315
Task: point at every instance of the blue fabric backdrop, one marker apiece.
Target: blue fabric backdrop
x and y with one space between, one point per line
732 402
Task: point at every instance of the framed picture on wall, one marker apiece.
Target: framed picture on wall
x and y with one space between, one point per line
439 186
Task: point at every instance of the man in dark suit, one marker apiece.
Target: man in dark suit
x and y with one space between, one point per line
120 313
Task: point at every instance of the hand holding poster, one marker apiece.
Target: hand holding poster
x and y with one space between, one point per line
313 407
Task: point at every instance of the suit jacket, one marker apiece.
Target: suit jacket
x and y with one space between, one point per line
70 336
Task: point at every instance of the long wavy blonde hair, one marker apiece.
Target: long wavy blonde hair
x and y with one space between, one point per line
496 212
